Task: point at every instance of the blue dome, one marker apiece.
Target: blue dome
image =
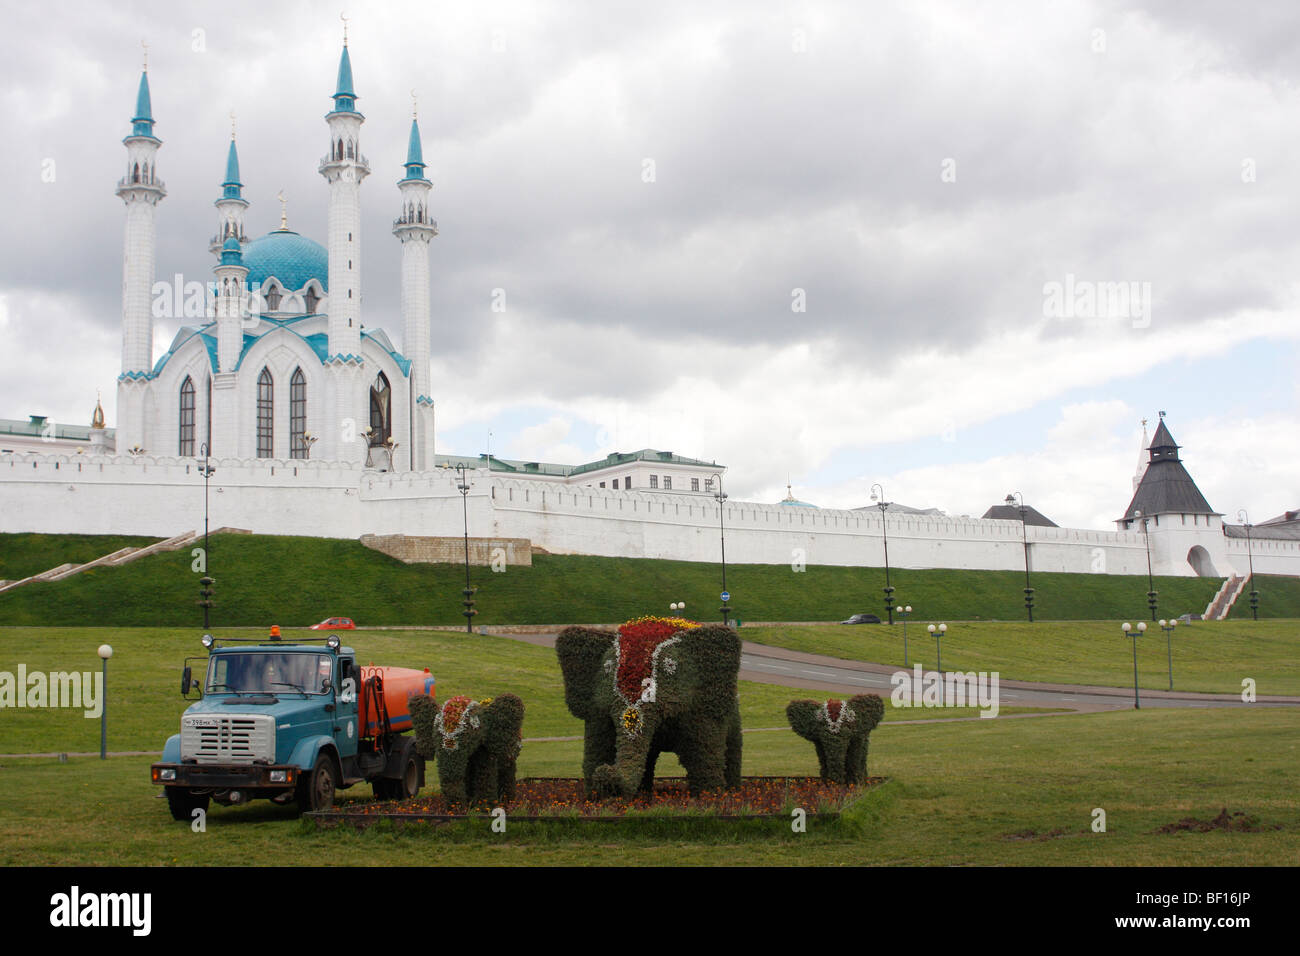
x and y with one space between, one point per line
290 258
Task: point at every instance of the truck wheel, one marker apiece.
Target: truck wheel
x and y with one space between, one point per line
408 785
182 803
316 790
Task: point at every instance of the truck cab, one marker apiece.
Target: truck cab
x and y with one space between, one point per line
290 722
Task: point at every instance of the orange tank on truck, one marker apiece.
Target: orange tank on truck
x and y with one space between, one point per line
385 703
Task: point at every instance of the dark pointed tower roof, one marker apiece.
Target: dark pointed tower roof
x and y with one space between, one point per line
1166 487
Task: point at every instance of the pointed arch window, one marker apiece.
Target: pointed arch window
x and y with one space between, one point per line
311 299
187 418
297 414
273 298
265 414
381 411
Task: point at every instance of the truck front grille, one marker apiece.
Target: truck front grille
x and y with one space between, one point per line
228 738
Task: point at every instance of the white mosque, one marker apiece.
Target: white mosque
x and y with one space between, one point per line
284 367
317 425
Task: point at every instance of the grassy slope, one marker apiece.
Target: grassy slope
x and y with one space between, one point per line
1278 597
22 555
298 581
1211 656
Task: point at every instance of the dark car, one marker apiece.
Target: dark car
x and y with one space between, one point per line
862 619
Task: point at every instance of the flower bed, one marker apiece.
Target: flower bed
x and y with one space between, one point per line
542 798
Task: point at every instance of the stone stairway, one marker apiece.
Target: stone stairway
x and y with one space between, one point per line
1225 598
113 560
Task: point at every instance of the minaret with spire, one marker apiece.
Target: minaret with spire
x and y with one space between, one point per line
1142 457
343 168
141 190
415 228
231 205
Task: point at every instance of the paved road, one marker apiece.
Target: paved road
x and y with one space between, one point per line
775 665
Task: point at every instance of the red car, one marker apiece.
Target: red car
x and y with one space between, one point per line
335 624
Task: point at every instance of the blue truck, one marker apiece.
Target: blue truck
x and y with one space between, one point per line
290 722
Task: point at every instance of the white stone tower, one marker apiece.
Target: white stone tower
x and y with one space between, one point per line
415 228
141 190
343 168
231 274
231 205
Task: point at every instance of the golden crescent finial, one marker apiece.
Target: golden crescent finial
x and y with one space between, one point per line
345 27
145 44
284 215
232 124
415 105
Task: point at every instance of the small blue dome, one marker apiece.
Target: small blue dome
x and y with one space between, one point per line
292 259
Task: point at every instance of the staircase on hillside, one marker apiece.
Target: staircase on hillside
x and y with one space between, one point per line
113 560
1225 598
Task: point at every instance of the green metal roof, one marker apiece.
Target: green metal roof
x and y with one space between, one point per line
35 426
525 468
645 454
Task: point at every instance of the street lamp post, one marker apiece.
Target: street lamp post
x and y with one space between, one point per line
1254 594
938 633
206 582
105 652
721 497
462 485
1135 633
1168 627
1151 586
878 496
904 611
1024 538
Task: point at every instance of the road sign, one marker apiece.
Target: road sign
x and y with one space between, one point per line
726 596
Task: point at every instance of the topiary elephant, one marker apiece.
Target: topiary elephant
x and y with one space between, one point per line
475 742
656 686
839 730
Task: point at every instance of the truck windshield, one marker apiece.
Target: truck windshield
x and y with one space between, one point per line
268 673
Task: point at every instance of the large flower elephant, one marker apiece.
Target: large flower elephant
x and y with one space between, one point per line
839 730
656 686
475 742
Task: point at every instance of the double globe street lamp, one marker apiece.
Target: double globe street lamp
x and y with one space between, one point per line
1135 633
1168 627
938 633
903 611
1024 538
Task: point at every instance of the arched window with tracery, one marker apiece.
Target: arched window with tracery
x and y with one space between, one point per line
187 418
310 300
297 414
265 414
381 410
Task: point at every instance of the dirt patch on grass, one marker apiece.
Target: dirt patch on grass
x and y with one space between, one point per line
1034 835
1238 822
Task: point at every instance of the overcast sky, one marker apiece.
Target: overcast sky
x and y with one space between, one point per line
659 187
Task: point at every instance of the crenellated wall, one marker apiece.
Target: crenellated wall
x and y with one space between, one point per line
161 496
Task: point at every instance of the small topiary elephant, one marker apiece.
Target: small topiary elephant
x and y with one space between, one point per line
475 742
839 730
657 685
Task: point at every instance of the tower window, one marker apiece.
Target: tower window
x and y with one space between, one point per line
381 410
187 418
265 414
297 414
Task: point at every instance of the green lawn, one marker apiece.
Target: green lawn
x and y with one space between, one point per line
1010 792
1278 597
1210 656
264 579
145 705
973 792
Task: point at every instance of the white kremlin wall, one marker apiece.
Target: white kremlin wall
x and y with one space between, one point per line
163 496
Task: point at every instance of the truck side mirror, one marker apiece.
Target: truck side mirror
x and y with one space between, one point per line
187 681
325 685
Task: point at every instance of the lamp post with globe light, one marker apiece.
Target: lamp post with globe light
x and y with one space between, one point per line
105 652
938 633
1250 557
1024 538
1168 627
1151 586
903 611
721 497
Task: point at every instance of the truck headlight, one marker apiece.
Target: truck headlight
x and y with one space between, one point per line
279 776
167 774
